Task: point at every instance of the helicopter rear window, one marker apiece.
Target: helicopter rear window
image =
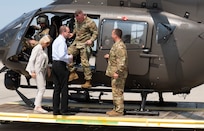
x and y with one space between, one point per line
134 33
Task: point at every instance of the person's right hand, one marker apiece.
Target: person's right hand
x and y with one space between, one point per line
71 35
106 56
33 75
70 58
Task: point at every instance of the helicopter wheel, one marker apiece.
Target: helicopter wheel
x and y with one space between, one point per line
12 80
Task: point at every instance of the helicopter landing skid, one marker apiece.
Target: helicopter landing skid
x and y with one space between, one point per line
82 95
142 110
137 112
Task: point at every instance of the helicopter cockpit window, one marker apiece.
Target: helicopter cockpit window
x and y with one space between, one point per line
13 28
164 31
134 33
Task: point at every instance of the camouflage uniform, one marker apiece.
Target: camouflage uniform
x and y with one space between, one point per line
26 44
29 46
87 30
117 63
41 33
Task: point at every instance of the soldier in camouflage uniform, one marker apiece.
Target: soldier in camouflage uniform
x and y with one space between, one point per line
28 42
117 70
43 21
86 33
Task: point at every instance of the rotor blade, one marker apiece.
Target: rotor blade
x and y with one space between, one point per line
57 2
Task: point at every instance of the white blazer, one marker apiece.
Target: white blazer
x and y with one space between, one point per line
38 60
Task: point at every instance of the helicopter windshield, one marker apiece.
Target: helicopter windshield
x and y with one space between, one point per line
18 26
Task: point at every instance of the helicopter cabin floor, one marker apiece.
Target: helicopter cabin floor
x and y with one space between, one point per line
171 115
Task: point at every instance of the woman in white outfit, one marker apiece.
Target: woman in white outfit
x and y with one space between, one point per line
37 68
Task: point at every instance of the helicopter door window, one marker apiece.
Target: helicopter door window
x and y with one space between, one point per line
134 33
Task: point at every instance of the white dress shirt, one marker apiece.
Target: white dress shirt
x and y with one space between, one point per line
59 50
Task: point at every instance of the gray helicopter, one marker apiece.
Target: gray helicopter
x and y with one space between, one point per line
164 40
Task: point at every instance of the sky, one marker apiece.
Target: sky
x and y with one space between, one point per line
12 9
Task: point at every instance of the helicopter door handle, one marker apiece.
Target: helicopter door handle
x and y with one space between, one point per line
149 56
146 50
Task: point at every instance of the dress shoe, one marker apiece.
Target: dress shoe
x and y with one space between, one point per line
68 113
57 113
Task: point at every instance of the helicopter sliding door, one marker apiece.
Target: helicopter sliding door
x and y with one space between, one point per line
134 36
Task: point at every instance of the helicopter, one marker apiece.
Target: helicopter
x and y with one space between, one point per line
164 40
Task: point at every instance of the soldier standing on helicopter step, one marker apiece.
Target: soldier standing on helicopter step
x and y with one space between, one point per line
86 33
117 70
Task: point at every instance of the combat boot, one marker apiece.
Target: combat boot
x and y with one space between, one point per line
73 76
114 113
87 84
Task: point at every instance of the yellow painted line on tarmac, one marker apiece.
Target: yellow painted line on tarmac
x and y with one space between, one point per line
102 120
15 103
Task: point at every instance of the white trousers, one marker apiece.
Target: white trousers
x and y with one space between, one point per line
41 83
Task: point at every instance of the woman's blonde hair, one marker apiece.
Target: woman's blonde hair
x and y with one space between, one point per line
45 39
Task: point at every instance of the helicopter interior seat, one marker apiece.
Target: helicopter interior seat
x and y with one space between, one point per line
56 22
134 42
126 38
